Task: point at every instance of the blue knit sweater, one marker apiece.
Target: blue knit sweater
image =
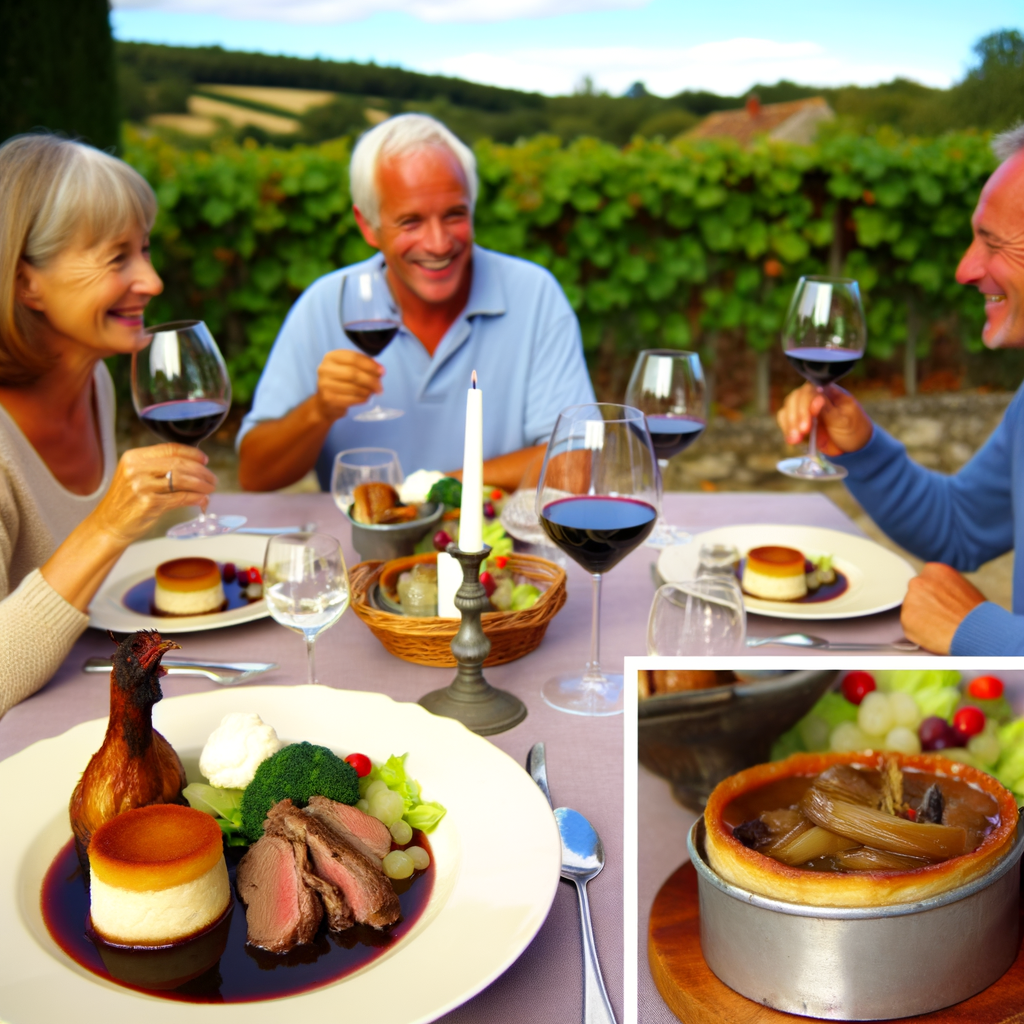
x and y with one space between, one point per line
963 520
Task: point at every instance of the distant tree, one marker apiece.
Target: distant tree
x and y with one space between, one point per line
57 69
992 94
344 115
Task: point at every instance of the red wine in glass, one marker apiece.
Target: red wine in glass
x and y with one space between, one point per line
189 421
372 336
671 435
598 531
821 366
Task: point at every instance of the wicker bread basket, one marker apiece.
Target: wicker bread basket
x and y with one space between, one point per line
427 640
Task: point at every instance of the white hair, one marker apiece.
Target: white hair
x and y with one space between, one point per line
1005 144
397 136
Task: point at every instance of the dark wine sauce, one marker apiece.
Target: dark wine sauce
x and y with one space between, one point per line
244 973
826 592
140 598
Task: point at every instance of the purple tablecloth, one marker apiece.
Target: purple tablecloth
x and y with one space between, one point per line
663 825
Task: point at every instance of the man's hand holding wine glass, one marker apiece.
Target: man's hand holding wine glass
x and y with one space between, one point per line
843 426
344 379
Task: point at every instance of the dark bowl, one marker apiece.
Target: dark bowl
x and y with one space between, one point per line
393 540
699 737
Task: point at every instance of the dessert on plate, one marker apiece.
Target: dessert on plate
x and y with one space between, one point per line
775 573
188 586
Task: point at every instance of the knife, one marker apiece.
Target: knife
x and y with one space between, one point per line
538 769
184 667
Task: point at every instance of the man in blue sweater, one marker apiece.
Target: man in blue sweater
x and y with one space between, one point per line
955 522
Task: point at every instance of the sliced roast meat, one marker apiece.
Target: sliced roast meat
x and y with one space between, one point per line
338 860
371 832
280 911
339 913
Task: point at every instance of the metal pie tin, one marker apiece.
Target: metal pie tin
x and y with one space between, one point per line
860 963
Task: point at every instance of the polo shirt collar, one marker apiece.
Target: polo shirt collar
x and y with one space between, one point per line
486 294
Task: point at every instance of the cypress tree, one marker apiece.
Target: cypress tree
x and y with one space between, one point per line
57 69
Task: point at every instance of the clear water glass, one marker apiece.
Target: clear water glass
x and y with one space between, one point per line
306 586
356 466
697 617
718 560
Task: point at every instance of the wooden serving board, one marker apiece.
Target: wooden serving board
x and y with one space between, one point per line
696 996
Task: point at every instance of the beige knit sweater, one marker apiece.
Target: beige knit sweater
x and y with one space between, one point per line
37 626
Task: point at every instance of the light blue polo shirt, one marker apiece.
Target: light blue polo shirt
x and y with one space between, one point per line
517 331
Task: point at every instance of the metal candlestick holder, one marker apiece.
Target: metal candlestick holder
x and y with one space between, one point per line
469 698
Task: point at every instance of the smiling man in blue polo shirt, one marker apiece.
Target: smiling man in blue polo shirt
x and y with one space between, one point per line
462 308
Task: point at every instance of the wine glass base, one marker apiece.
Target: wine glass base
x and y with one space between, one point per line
377 414
209 526
803 467
581 696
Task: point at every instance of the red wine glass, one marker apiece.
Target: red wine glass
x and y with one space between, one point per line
370 320
598 499
182 392
824 335
667 386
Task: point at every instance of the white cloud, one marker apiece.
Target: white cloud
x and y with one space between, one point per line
323 12
729 67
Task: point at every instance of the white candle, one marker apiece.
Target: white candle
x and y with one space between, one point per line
471 518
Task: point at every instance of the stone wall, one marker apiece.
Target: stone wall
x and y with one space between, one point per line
940 431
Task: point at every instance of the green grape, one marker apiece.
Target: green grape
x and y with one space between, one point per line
401 832
902 739
814 732
398 864
420 857
387 806
985 747
847 736
377 786
875 716
363 805
904 709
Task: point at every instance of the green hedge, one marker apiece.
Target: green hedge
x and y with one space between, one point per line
656 244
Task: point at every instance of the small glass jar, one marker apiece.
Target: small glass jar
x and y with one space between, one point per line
718 560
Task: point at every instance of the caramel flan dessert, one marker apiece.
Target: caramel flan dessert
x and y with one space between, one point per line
188 586
858 829
775 574
157 876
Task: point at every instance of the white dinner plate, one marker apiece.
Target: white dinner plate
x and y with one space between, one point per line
497 857
139 562
878 577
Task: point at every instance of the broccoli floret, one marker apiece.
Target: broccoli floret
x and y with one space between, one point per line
447 490
299 771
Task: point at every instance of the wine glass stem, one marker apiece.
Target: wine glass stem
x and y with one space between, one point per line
311 659
812 440
594 664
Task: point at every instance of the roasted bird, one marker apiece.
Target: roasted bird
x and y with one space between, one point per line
135 766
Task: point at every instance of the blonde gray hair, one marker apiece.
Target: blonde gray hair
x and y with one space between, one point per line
54 192
397 136
1005 144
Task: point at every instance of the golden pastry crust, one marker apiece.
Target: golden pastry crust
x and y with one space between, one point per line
758 873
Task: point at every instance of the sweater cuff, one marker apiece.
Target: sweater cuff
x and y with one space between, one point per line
881 447
988 630
59 616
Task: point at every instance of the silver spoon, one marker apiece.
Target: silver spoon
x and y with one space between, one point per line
537 766
582 860
819 643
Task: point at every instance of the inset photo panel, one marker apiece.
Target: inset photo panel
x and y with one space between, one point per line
829 838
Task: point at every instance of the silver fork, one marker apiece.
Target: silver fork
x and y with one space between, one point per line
237 671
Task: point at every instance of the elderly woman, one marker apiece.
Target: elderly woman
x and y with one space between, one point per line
75 279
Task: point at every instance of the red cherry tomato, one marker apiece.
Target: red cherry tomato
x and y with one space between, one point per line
501 561
490 584
857 685
255 576
361 763
969 720
496 494
985 688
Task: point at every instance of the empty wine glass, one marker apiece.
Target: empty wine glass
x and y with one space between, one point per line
667 386
370 320
305 583
356 466
697 617
597 500
182 392
824 335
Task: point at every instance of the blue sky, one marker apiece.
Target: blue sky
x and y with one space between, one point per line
549 45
